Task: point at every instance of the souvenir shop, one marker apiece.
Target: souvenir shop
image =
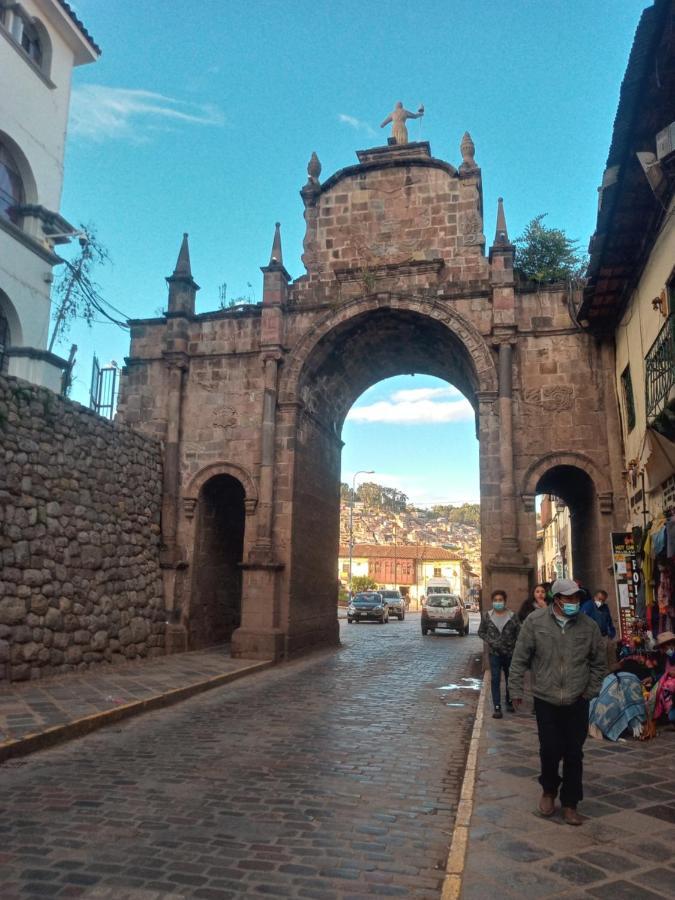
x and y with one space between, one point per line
644 570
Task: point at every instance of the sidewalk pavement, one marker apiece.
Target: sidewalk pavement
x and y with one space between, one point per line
624 849
39 714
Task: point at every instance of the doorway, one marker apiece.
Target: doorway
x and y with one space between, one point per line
215 609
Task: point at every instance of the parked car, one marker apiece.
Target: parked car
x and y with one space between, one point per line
445 611
368 605
396 603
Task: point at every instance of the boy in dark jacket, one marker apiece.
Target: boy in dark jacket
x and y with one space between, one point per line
598 610
499 629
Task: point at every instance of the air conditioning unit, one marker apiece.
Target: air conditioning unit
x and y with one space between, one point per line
665 141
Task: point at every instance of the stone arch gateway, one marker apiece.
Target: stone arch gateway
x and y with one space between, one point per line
396 273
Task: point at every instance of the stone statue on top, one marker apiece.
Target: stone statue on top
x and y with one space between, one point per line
398 118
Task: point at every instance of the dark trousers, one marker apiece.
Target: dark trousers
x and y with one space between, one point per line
562 732
497 665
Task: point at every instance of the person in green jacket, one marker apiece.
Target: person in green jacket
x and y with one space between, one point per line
566 657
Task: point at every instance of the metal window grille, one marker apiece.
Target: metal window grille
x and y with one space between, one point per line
104 388
628 399
660 369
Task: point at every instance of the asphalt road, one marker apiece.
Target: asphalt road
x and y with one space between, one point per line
335 776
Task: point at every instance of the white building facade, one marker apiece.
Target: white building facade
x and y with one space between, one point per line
41 41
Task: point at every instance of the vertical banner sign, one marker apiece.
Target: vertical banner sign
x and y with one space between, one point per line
626 579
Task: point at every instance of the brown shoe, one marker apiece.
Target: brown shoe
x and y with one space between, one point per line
547 805
571 816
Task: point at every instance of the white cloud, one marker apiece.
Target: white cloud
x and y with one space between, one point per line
415 407
357 124
98 112
415 394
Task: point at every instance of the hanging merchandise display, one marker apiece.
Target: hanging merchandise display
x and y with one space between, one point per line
627 581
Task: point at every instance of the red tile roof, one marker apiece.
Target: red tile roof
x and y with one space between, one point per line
401 551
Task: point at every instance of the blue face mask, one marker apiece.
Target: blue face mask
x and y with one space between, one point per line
498 605
570 609
670 652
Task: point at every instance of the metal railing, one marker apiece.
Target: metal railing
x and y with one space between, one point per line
660 369
104 387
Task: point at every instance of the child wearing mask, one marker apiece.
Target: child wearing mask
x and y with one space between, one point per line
499 629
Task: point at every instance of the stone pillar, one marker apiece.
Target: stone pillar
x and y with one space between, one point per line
260 635
171 555
509 539
181 308
507 569
263 543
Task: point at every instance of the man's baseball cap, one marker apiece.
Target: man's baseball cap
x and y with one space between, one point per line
565 586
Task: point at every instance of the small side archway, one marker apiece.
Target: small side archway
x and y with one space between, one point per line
586 491
220 497
191 495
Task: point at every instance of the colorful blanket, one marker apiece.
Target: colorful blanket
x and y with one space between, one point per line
618 706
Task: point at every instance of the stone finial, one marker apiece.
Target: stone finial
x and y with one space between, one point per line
275 276
467 148
183 262
501 233
313 168
276 257
182 286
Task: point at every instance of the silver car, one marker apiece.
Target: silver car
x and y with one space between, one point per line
445 611
368 605
396 603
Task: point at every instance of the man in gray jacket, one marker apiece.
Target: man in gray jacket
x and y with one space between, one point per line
565 654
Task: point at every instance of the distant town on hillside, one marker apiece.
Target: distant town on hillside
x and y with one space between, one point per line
383 515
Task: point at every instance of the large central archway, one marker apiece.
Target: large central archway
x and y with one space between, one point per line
368 341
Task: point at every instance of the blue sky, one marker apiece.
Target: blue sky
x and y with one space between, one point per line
202 119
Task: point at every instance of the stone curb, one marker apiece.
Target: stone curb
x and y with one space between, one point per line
454 869
79 727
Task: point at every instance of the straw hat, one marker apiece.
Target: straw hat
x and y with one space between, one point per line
666 637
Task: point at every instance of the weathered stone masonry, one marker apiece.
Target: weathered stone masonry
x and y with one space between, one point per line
80 503
251 402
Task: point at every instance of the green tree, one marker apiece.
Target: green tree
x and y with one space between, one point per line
345 492
363 583
466 514
370 494
547 254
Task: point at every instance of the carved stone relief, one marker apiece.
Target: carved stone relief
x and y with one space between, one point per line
226 417
550 398
471 227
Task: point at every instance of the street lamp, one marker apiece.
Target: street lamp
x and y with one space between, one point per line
351 522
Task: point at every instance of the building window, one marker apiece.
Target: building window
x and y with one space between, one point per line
30 41
11 187
4 342
29 34
629 403
437 573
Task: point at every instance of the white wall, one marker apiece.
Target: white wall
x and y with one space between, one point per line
636 334
450 570
23 278
33 120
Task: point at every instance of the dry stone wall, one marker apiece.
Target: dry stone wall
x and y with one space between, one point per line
80 502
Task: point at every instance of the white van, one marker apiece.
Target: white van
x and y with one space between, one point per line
438 586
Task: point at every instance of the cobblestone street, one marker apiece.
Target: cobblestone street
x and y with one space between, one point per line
331 777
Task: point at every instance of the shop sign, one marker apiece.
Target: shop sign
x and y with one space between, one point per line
626 580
